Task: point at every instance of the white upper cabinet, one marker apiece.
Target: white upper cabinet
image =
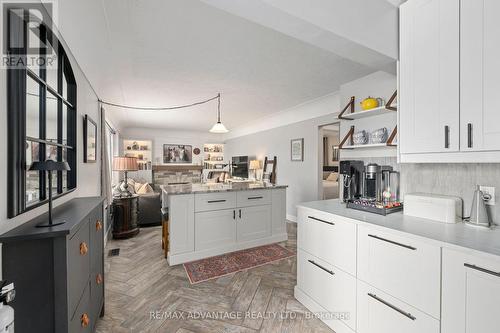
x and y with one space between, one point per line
429 76
480 75
448 83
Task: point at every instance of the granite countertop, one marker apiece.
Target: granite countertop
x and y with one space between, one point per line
173 189
456 235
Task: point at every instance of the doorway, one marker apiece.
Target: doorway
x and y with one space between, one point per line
329 161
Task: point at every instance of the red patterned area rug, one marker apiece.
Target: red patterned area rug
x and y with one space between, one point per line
215 267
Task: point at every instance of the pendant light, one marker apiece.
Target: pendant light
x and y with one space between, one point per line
219 127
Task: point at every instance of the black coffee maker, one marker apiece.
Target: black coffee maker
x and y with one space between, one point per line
351 180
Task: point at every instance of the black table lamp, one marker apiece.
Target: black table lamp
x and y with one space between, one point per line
49 166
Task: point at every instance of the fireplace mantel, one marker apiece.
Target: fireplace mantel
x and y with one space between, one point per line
177 167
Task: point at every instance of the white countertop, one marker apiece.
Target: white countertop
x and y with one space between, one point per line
452 235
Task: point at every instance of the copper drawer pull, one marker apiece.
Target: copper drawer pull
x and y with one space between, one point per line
83 248
98 278
98 225
85 320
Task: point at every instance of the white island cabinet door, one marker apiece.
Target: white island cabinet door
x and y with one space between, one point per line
181 223
480 73
215 229
429 76
471 294
253 223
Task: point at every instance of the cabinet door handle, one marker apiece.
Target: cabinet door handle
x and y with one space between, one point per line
393 242
83 248
320 220
98 225
321 267
253 198
98 279
240 213
447 136
215 201
395 308
484 270
234 215
84 319
469 135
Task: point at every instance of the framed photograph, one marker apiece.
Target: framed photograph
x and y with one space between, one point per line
89 140
297 149
177 153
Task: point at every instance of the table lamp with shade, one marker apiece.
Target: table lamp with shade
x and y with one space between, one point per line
49 166
124 164
254 166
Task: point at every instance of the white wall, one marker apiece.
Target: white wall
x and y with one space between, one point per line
161 137
302 178
86 104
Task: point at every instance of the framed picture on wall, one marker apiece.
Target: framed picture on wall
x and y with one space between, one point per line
177 153
297 149
89 140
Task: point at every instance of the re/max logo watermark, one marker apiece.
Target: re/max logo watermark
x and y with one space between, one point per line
27 39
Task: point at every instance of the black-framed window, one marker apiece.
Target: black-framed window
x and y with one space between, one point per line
41 112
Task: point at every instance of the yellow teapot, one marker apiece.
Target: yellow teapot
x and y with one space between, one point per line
370 103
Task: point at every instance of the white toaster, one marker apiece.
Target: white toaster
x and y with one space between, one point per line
441 208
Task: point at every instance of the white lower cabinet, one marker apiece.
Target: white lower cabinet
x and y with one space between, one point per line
471 293
379 312
331 238
215 228
401 266
253 222
328 286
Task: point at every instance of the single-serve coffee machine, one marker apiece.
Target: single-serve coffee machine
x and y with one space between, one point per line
372 188
351 180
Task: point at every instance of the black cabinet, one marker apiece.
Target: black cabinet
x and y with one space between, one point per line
58 272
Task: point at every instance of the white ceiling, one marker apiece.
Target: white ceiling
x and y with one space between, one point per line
170 52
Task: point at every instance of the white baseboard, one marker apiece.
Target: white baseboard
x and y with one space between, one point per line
291 218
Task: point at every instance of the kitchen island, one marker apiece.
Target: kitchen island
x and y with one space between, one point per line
212 219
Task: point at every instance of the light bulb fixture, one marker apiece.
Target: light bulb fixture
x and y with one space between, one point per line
219 127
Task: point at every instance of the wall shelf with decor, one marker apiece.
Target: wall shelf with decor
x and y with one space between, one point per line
141 149
213 156
386 138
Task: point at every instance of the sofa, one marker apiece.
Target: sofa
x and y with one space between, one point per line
149 212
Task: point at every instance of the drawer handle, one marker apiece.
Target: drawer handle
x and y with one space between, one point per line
83 248
98 279
484 270
393 242
254 198
85 320
395 308
320 220
98 225
323 268
215 201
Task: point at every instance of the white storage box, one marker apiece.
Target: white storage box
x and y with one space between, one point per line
442 208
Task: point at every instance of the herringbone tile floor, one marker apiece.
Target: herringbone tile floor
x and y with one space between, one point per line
145 294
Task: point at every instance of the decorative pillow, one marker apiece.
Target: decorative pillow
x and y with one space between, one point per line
131 185
145 188
333 177
137 186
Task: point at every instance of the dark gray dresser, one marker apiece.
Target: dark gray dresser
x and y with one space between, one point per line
58 272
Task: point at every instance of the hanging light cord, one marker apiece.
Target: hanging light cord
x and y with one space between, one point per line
164 108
